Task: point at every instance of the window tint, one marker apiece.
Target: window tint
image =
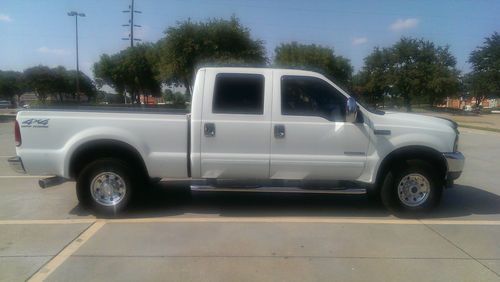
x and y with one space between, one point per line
310 96
239 94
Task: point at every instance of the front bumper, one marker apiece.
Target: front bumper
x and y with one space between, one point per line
16 164
455 162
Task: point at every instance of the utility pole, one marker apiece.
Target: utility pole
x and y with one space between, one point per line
131 24
132 11
76 15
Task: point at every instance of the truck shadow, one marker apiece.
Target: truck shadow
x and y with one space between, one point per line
168 200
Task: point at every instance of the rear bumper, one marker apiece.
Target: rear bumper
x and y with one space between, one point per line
455 162
16 164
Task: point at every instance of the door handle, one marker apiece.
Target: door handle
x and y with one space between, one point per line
279 131
209 129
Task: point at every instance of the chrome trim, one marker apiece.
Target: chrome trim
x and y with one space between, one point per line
354 153
16 164
351 110
414 189
455 161
108 188
349 191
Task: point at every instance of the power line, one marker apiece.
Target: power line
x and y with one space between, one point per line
131 24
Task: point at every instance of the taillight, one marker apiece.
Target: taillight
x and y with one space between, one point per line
17 134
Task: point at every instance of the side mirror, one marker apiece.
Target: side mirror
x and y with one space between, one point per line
351 110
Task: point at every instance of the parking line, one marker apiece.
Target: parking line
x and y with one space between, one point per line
275 219
47 221
62 256
301 220
22 176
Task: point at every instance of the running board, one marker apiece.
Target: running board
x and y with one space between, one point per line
347 191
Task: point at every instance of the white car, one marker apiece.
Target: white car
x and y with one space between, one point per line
282 130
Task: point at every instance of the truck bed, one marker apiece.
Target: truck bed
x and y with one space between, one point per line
51 135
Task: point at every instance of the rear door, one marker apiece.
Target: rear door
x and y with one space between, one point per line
236 124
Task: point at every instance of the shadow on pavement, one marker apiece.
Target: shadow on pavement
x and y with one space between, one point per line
166 199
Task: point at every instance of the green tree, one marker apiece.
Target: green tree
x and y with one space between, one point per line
413 69
41 80
58 82
373 80
131 70
216 41
12 85
176 99
484 78
315 57
87 86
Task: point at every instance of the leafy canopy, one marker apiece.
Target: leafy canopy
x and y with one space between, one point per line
314 57
216 41
131 70
411 69
58 82
484 79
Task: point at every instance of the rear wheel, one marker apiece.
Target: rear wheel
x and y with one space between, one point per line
106 186
411 188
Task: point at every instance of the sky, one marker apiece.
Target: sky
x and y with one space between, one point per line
40 31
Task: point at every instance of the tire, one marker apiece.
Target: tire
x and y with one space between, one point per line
106 186
411 188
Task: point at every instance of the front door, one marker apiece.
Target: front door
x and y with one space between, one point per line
235 137
311 139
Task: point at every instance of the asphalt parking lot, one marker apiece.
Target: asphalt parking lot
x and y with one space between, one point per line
172 234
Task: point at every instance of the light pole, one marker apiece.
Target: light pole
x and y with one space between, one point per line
76 15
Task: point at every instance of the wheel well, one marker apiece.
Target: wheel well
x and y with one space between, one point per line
432 156
94 150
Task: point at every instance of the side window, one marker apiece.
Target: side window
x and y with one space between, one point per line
311 96
238 94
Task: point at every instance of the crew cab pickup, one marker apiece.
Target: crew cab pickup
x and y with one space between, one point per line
249 129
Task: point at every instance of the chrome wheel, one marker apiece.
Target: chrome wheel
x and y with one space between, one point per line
413 189
108 188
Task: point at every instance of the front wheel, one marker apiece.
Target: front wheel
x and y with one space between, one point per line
412 188
105 186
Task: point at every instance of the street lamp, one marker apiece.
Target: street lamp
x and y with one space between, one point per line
76 15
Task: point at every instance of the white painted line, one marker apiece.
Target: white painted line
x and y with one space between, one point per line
23 176
47 221
276 219
62 256
301 220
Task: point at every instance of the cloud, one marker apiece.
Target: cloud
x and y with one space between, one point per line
55 51
359 40
402 24
5 18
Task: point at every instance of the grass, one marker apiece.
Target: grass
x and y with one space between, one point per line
479 127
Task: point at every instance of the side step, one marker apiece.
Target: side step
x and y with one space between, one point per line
346 191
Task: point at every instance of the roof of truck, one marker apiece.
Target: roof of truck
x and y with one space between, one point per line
249 69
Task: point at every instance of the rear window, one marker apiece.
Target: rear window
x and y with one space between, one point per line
238 94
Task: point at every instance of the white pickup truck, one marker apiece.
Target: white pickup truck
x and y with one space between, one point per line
249 129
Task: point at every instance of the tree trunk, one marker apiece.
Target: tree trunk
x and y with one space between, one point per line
407 102
187 84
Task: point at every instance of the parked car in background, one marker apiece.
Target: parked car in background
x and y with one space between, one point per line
4 104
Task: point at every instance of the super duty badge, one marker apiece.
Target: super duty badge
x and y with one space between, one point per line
35 123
